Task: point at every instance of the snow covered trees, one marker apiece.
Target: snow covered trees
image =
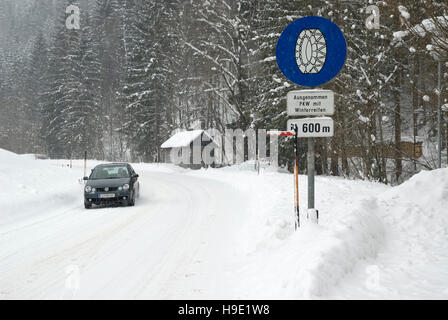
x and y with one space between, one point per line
422 36
137 70
71 112
108 24
147 87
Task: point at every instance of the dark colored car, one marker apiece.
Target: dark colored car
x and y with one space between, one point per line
115 183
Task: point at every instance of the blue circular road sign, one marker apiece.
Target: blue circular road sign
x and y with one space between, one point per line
311 51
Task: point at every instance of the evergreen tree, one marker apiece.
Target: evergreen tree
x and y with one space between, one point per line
147 87
71 114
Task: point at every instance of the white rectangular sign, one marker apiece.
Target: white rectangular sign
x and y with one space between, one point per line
313 127
310 102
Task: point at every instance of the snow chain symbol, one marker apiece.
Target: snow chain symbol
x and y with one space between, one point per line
311 51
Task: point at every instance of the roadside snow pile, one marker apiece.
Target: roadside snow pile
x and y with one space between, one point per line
32 186
418 210
413 263
277 262
317 257
373 241
416 213
427 190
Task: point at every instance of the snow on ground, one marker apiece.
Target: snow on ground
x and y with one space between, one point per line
32 188
279 263
219 233
413 262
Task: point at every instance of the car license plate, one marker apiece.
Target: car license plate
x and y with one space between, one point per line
106 195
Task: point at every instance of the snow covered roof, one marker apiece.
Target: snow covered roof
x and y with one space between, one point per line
184 138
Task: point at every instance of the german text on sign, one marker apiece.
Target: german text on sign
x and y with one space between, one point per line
310 102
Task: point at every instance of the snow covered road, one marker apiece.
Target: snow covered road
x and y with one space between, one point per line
122 252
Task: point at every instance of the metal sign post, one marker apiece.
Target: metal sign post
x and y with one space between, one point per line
311 169
312 213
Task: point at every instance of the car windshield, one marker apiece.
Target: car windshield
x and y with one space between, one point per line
111 172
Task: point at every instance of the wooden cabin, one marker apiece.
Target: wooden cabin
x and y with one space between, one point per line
181 140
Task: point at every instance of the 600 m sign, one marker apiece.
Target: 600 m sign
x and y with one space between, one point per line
313 127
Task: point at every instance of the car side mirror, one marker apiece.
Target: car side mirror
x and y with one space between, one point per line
85 178
135 176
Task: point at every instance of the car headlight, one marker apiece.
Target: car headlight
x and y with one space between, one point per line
88 189
126 187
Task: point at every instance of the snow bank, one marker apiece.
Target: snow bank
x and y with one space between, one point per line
413 262
277 262
429 187
33 186
418 208
316 258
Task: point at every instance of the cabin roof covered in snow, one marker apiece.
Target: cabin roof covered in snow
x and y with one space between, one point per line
184 138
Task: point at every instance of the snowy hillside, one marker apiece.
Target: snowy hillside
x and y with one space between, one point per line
220 233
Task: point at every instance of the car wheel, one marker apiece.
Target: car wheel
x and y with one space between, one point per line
87 205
